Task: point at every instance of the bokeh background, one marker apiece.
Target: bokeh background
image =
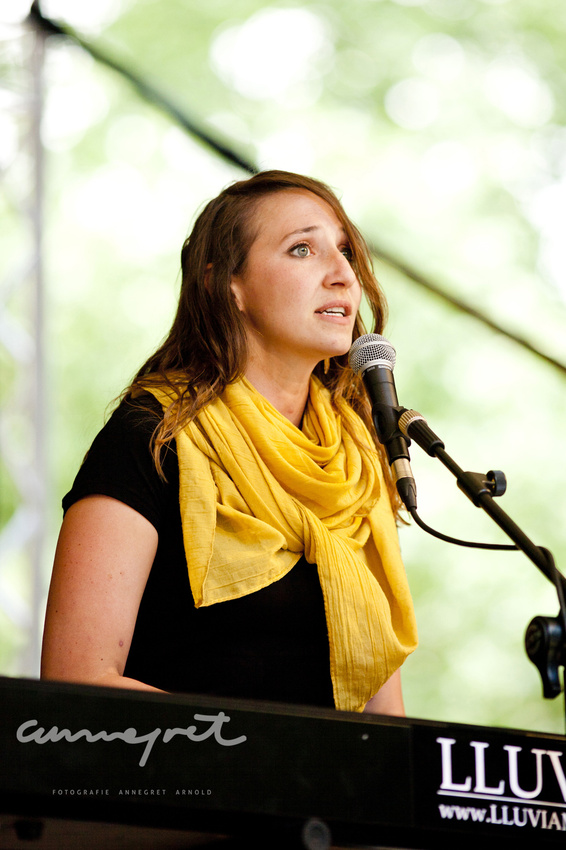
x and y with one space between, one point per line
442 126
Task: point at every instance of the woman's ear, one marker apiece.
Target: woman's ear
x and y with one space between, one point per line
236 288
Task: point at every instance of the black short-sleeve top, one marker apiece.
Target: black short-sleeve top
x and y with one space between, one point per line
270 645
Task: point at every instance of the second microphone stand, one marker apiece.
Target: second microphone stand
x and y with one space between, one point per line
546 636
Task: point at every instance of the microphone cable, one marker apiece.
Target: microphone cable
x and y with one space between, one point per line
507 547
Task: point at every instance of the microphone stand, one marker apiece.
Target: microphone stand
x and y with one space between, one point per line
545 639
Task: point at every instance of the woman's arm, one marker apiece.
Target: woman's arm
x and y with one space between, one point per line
102 563
389 698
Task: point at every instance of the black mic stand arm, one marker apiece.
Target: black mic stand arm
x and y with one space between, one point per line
545 639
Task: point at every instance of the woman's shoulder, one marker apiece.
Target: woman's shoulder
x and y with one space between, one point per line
139 412
120 461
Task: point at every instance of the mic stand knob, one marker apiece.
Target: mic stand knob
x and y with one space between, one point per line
546 648
497 482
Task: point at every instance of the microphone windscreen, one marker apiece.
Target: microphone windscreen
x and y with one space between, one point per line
371 350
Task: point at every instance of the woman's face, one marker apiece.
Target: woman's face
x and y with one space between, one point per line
298 292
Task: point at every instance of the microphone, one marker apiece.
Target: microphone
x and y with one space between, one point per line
373 357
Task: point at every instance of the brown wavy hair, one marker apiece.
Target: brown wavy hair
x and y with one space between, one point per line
206 348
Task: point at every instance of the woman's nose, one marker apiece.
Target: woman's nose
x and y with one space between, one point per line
340 270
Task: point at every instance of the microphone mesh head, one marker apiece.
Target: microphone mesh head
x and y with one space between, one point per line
371 350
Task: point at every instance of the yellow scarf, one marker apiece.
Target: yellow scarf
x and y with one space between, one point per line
256 492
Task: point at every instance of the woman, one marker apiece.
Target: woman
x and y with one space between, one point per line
231 530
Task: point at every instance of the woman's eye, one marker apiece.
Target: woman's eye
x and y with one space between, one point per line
348 253
301 250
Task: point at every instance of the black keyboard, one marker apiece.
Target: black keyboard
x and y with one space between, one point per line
107 768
